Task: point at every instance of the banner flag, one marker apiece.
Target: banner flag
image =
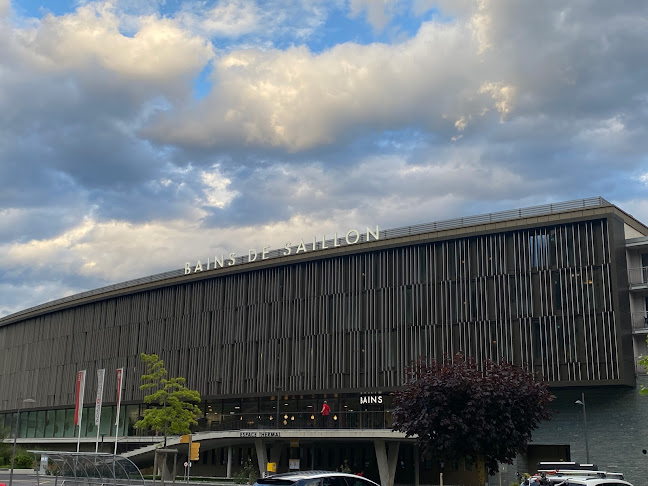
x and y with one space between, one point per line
100 385
120 379
80 391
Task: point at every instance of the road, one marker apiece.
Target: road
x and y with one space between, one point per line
23 478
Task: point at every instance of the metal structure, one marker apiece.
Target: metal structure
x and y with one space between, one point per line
384 234
91 469
540 297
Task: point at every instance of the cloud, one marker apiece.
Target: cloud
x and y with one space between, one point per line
113 169
226 19
296 100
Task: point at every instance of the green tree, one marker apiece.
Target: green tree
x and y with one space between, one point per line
643 361
176 409
456 410
5 447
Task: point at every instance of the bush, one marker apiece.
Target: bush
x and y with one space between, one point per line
24 460
247 475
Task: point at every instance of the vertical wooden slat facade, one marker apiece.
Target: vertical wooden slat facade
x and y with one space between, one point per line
541 297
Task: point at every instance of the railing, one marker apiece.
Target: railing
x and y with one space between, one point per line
299 420
639 320
638 276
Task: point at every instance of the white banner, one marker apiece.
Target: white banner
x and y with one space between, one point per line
100 384
120 380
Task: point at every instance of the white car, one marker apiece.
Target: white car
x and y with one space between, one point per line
586 481
314 478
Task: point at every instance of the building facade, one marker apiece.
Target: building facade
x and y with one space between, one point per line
559 289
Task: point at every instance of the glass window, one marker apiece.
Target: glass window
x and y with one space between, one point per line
122 420
50 420
24 418
107 420
312 482
31 421
40 423
59 425
89 422
333 481
132 412
357 481
69 423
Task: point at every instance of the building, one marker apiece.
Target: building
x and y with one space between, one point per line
559 289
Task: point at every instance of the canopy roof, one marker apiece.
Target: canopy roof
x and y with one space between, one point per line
91 466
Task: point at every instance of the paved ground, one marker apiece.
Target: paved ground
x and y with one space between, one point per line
29 478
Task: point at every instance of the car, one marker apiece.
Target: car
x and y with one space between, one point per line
314 478
588 481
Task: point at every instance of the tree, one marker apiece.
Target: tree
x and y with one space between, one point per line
5 447
643 361
177 410
456 410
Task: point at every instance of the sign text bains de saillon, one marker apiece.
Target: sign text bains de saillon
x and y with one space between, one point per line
352 237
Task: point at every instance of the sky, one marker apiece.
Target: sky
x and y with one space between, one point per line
137 135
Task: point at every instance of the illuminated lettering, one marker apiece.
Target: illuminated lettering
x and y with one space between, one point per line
352 237
219 262
357 237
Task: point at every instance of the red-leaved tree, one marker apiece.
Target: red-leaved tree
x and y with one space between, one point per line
455 410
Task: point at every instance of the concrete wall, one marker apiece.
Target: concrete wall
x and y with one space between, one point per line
617 426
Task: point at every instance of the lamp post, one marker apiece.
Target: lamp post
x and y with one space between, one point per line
13 454
582 402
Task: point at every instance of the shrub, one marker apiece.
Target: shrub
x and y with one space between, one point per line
24 460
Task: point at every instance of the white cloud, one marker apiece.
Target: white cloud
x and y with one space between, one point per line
5 7
228 19
160 51
216 188
296 100
379 12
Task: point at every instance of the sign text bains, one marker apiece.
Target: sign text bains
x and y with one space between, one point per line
352 237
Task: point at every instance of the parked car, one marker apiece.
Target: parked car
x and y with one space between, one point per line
314 478
587 481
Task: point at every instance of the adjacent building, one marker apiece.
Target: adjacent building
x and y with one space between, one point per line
266 338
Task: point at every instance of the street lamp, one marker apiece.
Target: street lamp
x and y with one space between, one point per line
582 402
13 454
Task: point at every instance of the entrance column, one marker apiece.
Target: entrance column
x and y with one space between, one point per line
416 466
386 461
262 457
229 461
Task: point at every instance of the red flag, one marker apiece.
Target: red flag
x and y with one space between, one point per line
80 390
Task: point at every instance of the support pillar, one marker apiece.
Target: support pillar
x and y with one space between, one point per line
229 462
416 466
262 457
386 461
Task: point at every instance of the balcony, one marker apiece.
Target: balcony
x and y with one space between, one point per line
638 278
639 322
